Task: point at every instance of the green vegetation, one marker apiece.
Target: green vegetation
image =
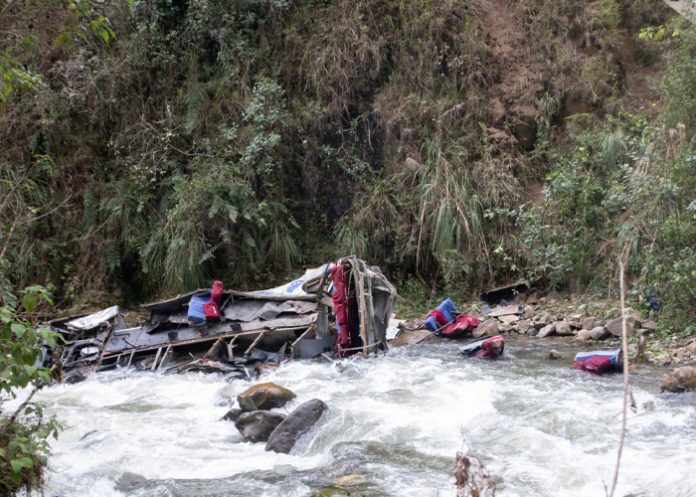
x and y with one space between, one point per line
163 143
24 432
169 141
149 146
153 145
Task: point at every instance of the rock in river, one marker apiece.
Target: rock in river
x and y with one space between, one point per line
680 380
232 415
257 426
264 396
295 425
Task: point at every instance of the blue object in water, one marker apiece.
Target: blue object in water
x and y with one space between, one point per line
448 309
196 314
449 312
431 323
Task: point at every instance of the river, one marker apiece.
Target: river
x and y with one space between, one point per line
394 425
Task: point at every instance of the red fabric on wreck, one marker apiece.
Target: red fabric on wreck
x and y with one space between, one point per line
461 324
212 308
439 317
216 294
492 348
594 365
341 301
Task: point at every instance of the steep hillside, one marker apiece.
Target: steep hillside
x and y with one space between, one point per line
148 145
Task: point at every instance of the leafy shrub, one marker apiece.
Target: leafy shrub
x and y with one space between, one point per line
24 432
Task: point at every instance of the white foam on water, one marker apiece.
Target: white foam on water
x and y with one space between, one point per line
541 429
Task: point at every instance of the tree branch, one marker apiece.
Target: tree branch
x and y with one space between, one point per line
624 343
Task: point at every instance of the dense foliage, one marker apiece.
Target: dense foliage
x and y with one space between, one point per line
149 145
153 144
24 432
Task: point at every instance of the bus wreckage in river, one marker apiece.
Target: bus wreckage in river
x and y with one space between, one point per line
334 310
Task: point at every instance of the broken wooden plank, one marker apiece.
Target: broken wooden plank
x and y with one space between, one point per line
130 359
183 343
230 348
154 363
166 357
302 336
214 350
254 343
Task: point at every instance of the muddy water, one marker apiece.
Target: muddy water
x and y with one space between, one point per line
394 426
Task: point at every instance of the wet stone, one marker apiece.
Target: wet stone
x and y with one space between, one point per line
546 331
598 333
489 327
232 415
680 380
563 329
591 322
298 422
555 355
264 396
523 326
257 426
129 482
614 326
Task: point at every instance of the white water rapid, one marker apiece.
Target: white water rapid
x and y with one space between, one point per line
396 421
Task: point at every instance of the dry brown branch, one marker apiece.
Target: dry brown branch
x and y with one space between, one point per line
626 392
471 476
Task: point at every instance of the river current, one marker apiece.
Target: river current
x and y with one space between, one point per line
394 425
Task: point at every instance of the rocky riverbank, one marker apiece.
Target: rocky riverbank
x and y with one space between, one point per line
595 322
584 323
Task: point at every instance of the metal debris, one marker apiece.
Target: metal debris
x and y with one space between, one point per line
264 327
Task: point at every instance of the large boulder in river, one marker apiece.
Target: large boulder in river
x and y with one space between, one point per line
257 426
264 396
680 380
232 415
489 327
298 422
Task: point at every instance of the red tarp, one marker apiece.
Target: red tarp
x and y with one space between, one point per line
340 275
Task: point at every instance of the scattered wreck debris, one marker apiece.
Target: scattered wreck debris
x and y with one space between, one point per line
505 294
233 331
448 322
487 348
599 361
363 301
